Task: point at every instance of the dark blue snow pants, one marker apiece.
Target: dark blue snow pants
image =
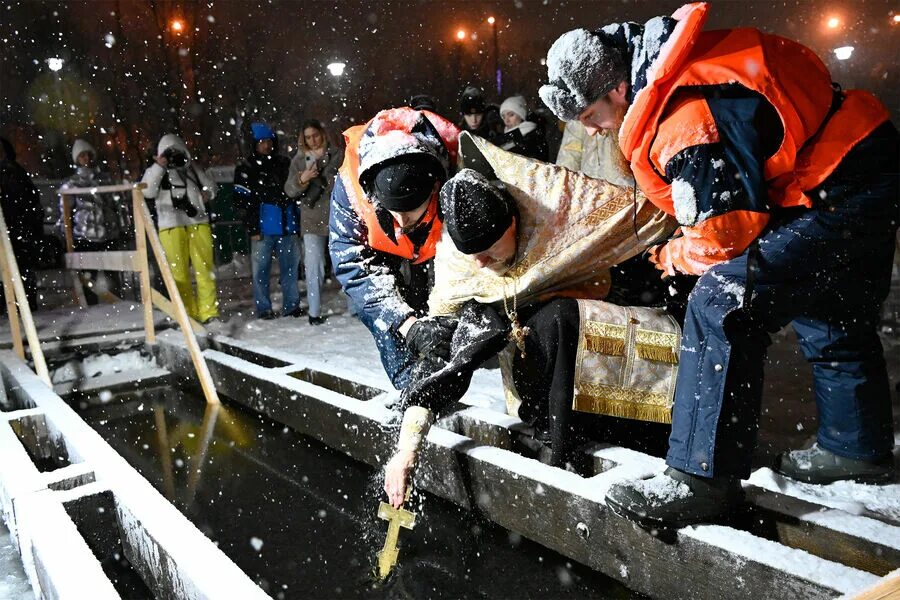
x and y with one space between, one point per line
826 270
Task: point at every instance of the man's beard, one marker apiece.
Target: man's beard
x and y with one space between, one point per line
621 162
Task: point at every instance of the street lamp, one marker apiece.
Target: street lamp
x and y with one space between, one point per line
461 35
177 26
55 64
832 22
336 68
843 53
497 74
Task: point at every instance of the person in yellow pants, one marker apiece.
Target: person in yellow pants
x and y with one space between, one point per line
181 190
187 247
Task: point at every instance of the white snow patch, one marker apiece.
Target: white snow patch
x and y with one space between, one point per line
782 558
848 496
685 200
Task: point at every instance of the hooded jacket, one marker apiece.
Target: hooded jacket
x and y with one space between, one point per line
725 125
259 187
367 261
96 218
190 183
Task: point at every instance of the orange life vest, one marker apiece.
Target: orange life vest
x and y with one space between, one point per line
349 173
789 75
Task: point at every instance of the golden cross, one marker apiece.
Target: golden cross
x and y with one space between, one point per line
396 518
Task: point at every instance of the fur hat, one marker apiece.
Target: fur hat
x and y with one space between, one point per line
583 67
516 105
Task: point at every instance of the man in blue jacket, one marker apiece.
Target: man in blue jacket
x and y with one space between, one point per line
271 218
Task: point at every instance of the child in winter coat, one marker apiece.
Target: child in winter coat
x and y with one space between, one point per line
99 221
182 190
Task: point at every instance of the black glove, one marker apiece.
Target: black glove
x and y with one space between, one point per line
431 336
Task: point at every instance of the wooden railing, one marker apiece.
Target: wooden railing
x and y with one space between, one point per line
17 303
119 260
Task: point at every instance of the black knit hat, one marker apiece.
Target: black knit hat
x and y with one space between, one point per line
404 183
476 213
473 102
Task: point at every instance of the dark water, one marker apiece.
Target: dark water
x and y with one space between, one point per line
299 518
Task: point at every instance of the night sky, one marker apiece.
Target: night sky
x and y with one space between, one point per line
127 77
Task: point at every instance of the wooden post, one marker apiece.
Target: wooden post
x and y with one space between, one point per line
206 382
34 343
67 222
11 311
140 239
77 285
884 589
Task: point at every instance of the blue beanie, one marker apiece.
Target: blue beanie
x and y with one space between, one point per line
261 131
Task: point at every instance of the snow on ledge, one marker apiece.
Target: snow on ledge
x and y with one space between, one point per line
799 563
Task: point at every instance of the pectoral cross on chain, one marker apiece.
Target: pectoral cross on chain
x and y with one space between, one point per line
517 333
396 518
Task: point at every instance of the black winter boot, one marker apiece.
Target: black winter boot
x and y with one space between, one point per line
674 499
820 466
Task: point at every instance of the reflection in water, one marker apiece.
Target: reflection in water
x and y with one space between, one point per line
300 519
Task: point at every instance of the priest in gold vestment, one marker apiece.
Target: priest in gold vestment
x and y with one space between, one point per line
524 264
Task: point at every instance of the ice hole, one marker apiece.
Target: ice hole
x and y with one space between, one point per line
46 451
337 384
95 518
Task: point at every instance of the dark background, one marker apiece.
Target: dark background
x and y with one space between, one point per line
128 77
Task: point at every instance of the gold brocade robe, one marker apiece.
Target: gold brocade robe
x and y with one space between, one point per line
571 229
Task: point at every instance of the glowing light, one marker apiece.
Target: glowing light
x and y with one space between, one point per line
492 20
833 22
461 34
895 19
55 64
336 68
843 53
176 25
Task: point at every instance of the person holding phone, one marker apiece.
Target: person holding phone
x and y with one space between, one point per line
310 180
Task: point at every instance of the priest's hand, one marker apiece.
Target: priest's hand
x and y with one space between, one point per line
396 476
431 336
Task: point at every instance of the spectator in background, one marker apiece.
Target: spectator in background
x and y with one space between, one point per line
423 102
181 191
24 218
310 180
521 136
99 221
273 221
473 109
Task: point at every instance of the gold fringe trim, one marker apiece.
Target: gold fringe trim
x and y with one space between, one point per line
622 409
609 346
664 354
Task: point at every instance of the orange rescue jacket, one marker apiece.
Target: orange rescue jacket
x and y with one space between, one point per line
401 121
791 78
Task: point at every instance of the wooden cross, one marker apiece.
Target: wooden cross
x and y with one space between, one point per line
396 518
